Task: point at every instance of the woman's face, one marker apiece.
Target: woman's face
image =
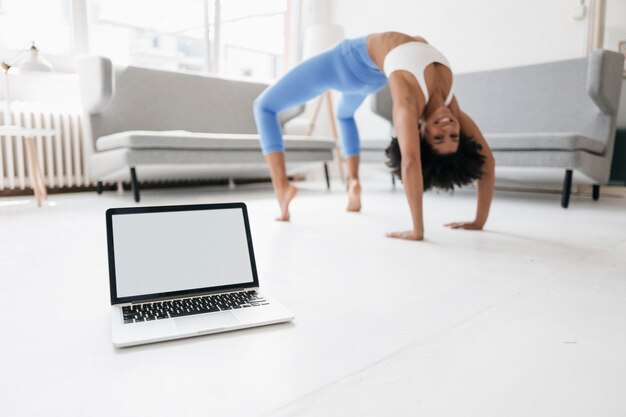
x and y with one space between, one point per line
441 130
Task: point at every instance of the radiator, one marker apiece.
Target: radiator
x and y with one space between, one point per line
61 156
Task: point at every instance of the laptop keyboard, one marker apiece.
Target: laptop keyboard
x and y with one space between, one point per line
180 307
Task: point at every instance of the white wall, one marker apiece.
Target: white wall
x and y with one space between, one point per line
474 35
614 24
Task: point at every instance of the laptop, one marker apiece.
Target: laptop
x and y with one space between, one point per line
182 271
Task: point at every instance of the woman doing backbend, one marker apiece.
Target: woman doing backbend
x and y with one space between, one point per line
437 145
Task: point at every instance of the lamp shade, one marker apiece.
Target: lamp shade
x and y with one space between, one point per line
31 61
319 38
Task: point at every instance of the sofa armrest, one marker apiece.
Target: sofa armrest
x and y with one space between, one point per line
604 79
289 114
97 82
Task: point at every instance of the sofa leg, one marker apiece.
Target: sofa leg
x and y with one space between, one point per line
567 188
99 187
393 182
327 176
134 183
596 192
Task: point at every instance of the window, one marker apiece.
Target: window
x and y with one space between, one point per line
47 23
233 37
154 33
253 37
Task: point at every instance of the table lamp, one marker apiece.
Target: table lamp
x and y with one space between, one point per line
28 61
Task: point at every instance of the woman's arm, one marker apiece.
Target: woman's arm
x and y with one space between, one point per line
485 184
406 113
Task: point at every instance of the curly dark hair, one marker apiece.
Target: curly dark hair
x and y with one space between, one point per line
442 171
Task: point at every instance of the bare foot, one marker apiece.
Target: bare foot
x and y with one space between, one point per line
354 196
284 198
408 235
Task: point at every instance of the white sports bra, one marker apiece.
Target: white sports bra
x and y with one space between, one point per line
414 57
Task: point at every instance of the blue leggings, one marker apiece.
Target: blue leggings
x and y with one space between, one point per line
346 68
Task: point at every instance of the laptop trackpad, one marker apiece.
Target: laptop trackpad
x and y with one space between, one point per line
206 322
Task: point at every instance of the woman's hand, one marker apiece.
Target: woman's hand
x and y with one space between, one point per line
408 106
408 235
465 225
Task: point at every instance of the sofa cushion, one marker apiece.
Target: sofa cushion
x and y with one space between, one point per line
521 141
375 144
544 142
182 139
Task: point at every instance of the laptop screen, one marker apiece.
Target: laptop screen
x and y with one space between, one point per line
160 251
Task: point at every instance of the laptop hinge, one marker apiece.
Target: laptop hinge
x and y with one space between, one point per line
191 295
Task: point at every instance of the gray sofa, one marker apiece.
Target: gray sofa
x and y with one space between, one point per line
557 116
148 124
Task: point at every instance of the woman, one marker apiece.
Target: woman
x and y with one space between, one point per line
420 81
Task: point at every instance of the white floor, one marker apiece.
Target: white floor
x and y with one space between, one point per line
527 318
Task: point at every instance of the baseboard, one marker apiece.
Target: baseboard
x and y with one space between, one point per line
147 185
610 191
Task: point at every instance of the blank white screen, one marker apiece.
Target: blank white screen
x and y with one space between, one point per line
182 250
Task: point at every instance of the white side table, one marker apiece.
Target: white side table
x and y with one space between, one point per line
34 171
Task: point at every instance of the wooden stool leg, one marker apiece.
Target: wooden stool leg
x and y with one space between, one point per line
32 161
333 125
318 106
37 169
